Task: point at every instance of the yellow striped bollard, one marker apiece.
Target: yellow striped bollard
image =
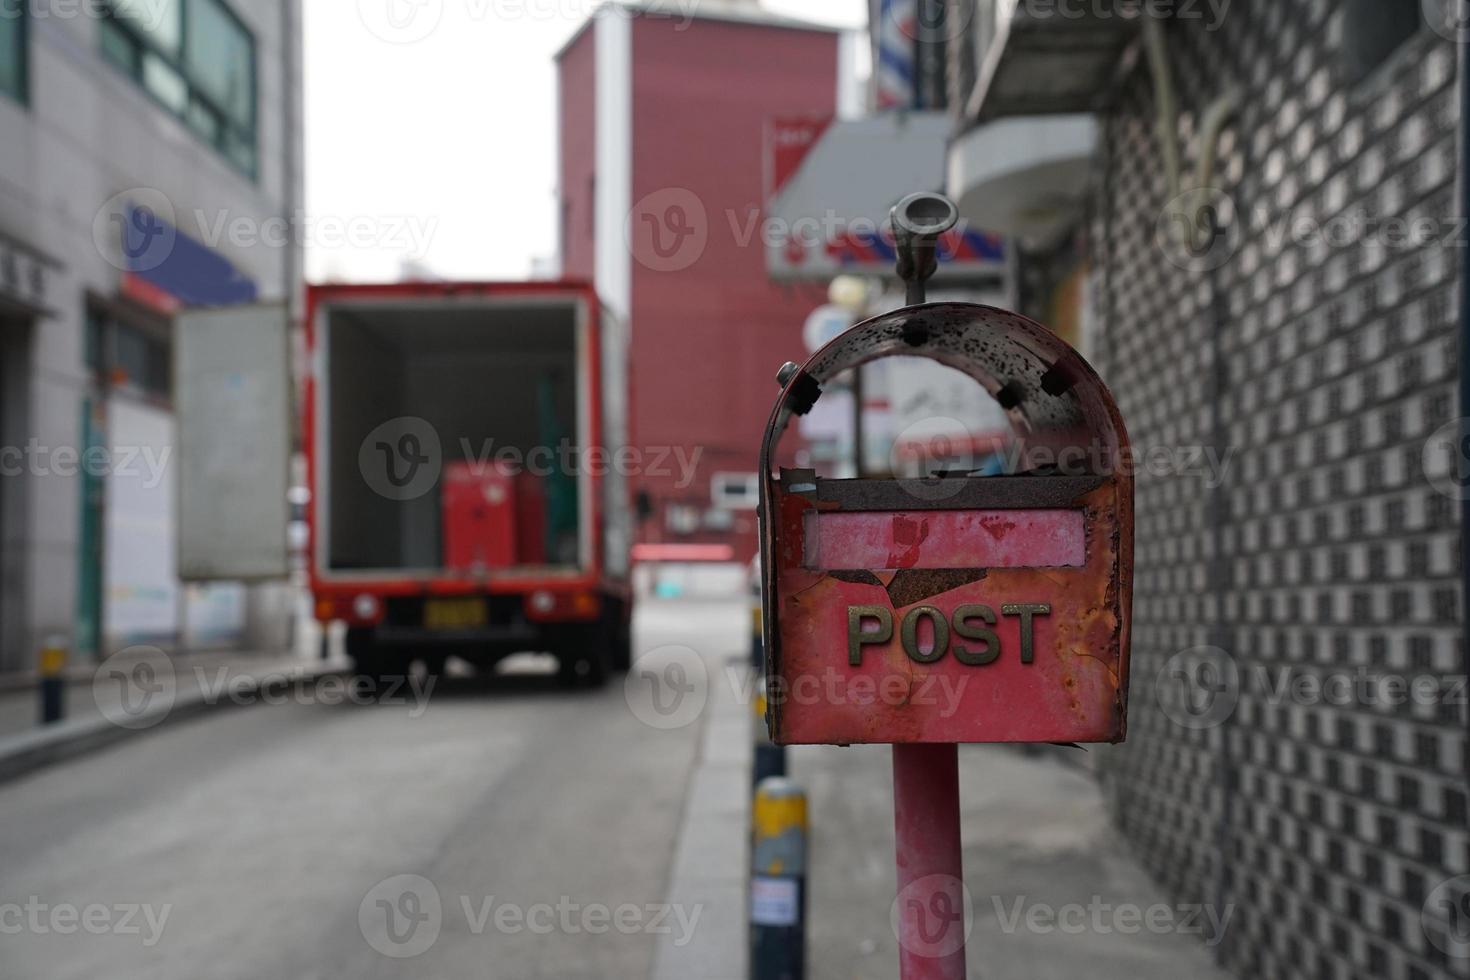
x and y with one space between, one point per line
778 882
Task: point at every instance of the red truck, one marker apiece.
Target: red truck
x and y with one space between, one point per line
462 445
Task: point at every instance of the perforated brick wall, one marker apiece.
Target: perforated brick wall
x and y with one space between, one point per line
1315 367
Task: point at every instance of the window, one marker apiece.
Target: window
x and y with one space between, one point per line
13 51
197 60
1373 30
128 356
736 491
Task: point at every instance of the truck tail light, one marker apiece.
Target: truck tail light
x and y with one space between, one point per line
366 608
579 606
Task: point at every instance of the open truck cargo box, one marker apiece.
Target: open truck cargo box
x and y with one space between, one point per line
411 391
461 442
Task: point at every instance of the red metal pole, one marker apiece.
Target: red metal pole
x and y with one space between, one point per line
930 914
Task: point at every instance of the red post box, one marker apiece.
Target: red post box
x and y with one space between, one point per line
955 607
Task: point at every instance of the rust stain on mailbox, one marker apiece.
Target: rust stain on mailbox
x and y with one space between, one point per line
959 608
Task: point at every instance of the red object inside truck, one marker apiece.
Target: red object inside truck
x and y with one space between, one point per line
493 517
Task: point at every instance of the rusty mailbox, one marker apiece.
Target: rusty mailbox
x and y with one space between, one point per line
954 607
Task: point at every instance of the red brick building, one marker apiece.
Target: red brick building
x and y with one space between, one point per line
662 117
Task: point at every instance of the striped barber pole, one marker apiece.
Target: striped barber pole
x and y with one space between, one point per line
895 71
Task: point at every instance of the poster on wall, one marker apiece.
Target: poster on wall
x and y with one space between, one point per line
142 593
214 614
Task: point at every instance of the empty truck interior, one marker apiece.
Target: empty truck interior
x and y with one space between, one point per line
494 395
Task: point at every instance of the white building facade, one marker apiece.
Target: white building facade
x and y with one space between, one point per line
150 160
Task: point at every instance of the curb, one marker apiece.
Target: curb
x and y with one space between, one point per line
83 672
43 746
711 862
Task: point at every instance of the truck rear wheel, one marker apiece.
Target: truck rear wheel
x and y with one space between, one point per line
582 655
371 663
362 651
620 639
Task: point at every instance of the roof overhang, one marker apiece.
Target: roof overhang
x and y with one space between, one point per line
830 184
1054 56
1024 177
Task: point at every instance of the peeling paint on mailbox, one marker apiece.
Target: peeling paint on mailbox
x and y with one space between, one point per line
957 608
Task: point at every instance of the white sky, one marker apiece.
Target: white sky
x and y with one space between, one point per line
444 146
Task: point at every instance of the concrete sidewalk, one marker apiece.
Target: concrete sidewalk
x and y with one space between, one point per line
130 694
1055 891
711 857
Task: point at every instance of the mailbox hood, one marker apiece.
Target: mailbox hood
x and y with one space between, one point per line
1056 403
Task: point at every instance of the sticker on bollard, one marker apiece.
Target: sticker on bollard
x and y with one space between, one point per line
774 901
955 607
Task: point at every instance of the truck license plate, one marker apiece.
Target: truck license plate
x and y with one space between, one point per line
455 614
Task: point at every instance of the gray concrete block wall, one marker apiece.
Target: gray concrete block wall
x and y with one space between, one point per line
1321 369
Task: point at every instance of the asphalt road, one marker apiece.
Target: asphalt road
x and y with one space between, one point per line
539 826
511 829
